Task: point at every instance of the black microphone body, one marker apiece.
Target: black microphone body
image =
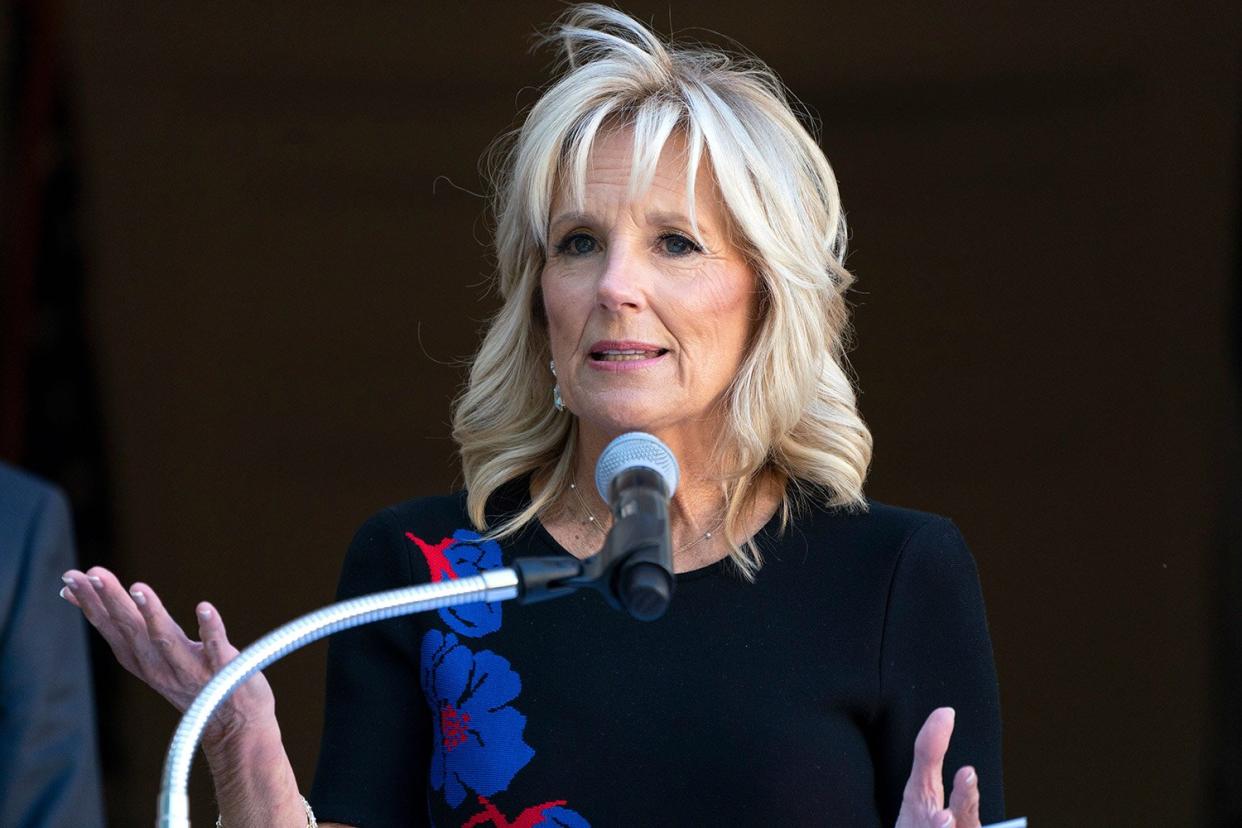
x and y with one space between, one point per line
643 582
636 475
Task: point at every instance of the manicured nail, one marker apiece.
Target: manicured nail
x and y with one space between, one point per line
97 583
970 778
63 590
139 597
946 821
68 581
204 614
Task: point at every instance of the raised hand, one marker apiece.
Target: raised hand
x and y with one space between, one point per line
151 645
922 804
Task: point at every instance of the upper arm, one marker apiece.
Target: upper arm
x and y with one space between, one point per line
936 652
375 750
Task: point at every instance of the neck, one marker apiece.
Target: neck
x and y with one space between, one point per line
696 508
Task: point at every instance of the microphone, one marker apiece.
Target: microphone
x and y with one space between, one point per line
636 475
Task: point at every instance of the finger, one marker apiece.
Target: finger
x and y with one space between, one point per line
78 592
964 800
82 595
945 819
119 606
925 786
88 600
216 641
67 594
169 643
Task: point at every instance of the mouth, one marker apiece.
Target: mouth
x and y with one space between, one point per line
627 354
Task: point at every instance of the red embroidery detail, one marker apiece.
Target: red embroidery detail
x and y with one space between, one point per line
453 726
491 815
436 562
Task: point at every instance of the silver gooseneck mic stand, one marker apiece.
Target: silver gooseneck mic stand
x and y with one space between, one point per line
625 571
637 474
174 803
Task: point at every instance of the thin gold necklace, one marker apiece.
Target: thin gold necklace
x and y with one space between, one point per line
573 487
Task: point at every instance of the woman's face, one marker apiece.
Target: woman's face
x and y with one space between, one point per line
647 328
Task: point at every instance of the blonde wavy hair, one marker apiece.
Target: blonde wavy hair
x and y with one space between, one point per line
791 411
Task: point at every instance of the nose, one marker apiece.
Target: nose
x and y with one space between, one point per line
623 283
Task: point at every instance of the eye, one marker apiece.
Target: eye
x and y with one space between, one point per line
675 244
576 244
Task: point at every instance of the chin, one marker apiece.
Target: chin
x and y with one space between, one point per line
618 416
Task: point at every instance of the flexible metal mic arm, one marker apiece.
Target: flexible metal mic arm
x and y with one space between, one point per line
531 579
174 805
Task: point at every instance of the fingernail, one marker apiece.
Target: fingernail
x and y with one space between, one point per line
139 598
97 583
204 614
946 821
970 778
68 581
63 590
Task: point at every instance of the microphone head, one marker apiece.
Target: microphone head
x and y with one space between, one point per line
630 450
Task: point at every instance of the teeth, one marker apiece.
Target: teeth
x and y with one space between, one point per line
629 355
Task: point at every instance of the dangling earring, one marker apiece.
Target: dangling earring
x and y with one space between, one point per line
557 402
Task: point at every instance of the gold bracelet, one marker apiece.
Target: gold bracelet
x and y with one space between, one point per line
310 815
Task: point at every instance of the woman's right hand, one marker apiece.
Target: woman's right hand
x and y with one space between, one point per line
151 645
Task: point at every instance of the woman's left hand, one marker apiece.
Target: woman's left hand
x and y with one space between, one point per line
922 804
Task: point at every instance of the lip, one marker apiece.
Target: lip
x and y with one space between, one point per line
624 345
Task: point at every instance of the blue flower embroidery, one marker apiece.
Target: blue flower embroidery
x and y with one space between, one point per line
470 555
466 553
478 736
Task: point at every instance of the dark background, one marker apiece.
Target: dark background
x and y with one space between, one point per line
244 258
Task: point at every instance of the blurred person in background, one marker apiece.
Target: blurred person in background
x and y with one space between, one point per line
49 767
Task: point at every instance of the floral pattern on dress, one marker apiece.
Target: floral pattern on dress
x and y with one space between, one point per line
549 813
465 553
478 736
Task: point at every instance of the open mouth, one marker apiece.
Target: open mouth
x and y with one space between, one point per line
627 355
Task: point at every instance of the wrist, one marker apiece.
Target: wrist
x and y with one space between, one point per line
235 754
310 815
254 781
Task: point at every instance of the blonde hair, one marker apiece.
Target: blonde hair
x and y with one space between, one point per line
790 411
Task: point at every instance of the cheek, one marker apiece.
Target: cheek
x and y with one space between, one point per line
561 308
722 313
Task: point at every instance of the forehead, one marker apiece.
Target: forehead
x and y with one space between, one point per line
617 173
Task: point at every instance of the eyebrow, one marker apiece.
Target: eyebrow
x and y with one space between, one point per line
654 217
572 218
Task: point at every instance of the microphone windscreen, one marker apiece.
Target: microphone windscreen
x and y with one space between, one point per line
635 448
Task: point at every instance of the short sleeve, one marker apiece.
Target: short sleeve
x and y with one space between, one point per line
374 755
936 652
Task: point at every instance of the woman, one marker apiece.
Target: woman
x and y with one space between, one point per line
670 244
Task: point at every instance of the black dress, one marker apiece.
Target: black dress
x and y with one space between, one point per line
793 700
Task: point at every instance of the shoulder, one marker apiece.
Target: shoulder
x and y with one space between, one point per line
879 526
882 536
27 498
419 514
29 508
879 522
409 542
